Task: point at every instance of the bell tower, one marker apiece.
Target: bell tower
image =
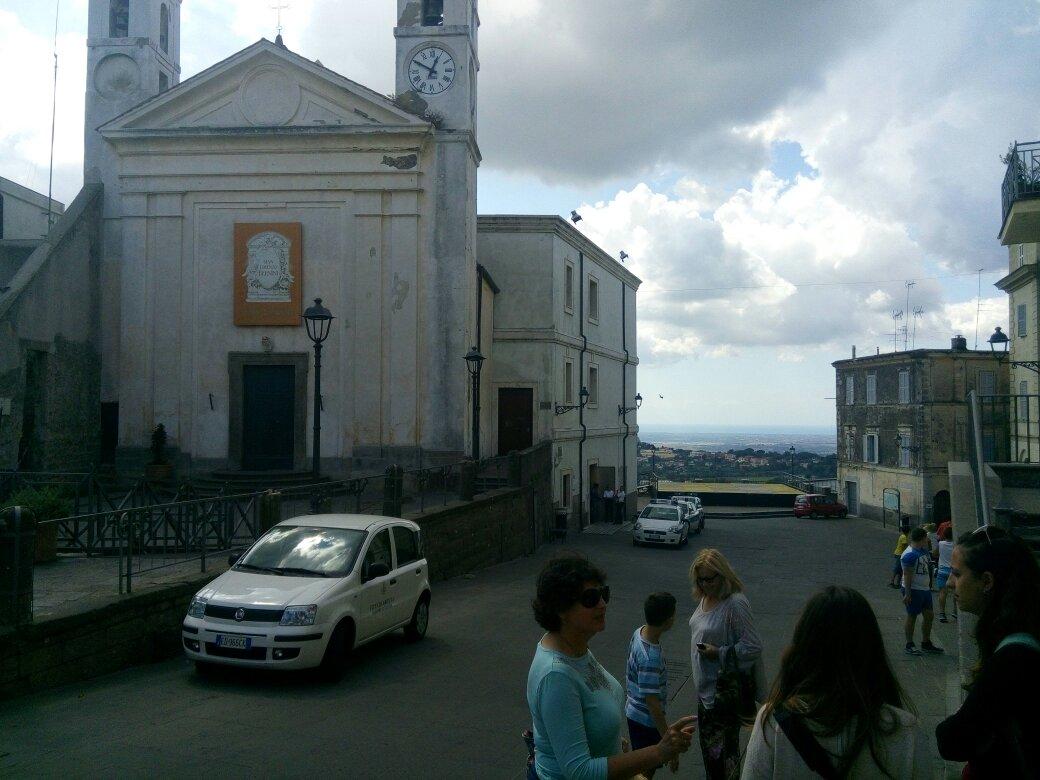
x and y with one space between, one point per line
133 53
443 80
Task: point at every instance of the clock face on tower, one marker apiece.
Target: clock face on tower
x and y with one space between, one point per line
431 71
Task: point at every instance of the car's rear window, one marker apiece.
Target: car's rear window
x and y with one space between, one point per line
660 513
304 551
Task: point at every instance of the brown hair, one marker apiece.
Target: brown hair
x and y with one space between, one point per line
711 559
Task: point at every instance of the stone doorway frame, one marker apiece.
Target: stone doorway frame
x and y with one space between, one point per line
237 361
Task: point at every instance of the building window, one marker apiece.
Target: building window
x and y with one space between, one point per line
1021 255
568 288
871 388
850 444
593 385
593 299
904 386
1023 400
433 13
1021 312
565 492
870 448
164 28
119 19
905 441
164 82
568 382
850 390
987 383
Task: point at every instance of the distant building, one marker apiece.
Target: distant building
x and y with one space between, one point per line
565 319
23 212
901 418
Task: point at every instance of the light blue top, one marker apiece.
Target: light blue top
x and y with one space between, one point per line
644 677
577 708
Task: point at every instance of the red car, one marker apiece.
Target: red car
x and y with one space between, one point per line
819 505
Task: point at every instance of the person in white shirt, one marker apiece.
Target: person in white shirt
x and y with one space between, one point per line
836 708
942 575
619 500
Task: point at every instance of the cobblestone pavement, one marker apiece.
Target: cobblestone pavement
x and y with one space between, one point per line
453 705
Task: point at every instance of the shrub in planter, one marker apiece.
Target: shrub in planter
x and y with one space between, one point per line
159 468
46 503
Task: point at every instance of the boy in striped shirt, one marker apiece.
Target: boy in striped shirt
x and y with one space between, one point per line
646 679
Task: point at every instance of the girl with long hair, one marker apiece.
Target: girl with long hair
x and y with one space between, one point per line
721 625
836 703
997 578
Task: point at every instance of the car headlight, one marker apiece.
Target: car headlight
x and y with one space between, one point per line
299 616
197 607
638 526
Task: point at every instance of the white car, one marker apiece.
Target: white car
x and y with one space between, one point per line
660 524
309 591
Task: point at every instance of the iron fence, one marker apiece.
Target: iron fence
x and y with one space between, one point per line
1022 177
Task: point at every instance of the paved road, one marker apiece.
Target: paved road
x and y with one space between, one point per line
452 705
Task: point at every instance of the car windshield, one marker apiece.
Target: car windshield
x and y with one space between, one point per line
304 551
660 513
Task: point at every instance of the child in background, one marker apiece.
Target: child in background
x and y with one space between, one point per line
943 575
646 679
897 567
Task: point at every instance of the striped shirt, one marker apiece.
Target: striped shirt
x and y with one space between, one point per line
645 676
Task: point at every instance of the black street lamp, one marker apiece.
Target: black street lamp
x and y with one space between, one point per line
623 410
318 320
474 362
998 342
583 400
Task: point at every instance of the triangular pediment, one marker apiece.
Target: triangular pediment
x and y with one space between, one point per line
263 86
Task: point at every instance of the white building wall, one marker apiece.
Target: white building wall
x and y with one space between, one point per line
25 212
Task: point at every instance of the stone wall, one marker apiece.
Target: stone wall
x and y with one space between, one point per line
49 358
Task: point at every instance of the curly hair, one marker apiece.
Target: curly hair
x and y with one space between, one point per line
560 585
1013 605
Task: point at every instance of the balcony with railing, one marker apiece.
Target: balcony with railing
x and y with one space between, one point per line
1021 185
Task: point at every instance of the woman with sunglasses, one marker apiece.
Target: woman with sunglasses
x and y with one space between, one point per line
721 624
997 578
577 706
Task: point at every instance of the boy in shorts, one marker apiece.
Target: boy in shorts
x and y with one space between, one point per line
646 681
917 592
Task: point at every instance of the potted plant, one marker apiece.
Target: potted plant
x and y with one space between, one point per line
159 468
45 503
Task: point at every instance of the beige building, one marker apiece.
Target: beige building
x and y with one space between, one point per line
901 417
564 321
24 212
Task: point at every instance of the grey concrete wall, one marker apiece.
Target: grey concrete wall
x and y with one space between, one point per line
51 309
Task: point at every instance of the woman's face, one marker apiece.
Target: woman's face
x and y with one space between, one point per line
586 620
971 588
709 581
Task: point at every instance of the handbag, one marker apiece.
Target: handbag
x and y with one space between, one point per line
811 751
735 692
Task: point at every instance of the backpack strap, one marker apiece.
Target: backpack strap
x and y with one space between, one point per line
811 751
1020 639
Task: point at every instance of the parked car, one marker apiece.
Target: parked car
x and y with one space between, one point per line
661 524
694 513
819 505
309 591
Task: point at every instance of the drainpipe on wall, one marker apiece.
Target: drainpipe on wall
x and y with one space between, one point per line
624 395
581 383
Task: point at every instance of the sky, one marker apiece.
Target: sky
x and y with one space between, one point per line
776 172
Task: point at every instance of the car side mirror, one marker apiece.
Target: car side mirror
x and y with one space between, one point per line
233 558
377 569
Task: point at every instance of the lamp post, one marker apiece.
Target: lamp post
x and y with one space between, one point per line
583 400
474 362
318 320
623 410
998 342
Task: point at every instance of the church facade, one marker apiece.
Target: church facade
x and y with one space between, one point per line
234 199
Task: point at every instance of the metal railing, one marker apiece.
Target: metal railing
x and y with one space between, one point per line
1022 178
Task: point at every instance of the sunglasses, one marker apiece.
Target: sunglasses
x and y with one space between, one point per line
985 530
707 580
590 598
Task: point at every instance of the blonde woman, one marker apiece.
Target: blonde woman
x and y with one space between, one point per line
721 624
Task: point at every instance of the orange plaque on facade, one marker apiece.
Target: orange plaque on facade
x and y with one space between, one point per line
268 273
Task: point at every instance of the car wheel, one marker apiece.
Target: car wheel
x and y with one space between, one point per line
843 514
416 630
337 652
635 543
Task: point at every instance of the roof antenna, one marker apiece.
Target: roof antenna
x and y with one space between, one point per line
279 8
54 118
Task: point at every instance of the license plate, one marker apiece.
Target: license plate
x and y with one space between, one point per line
234 642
